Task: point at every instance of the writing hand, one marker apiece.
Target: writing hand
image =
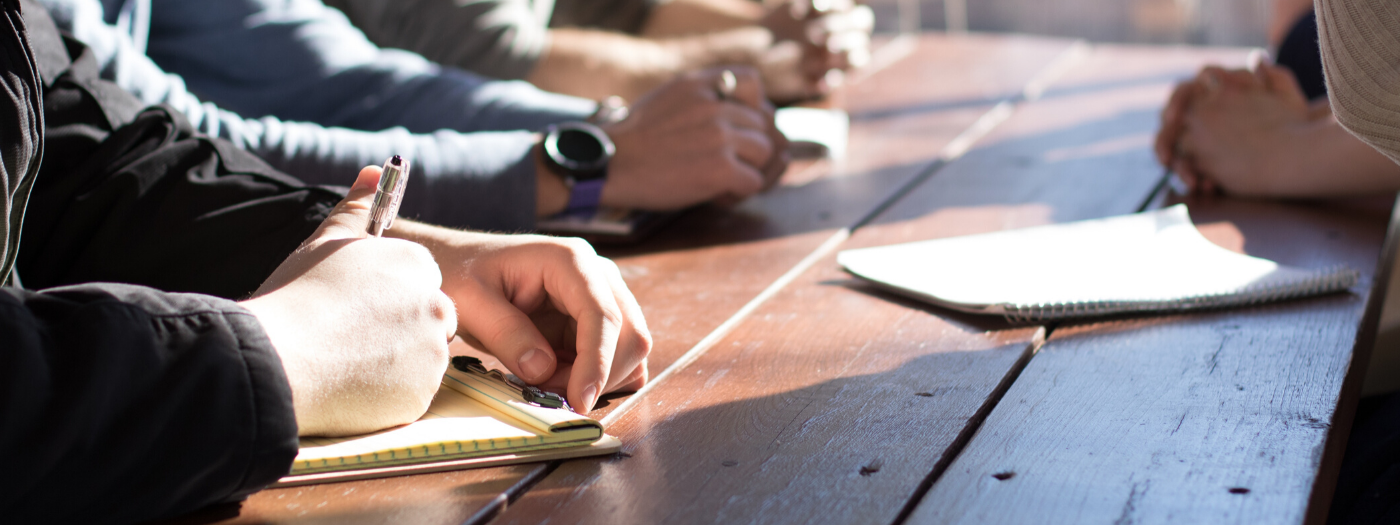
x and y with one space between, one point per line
359 323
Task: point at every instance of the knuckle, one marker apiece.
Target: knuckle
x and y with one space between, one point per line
641 343
578 246
417 254
608 265
610 315
441 308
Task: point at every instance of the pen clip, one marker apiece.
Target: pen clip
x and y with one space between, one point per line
388 195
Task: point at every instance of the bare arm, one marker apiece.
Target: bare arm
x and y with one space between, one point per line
596 64
689 17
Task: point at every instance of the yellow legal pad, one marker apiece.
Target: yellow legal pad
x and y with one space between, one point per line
475 420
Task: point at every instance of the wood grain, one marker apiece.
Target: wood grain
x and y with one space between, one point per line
1205 418
703 269
698 272
832 403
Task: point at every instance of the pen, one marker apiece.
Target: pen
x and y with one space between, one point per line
388 196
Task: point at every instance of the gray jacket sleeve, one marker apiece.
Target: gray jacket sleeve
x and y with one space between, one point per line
496 38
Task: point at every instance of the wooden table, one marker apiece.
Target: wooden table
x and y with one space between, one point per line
785 391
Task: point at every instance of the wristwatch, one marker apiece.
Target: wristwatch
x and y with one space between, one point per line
579 152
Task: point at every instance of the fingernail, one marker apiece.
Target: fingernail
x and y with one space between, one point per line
590 395
533 364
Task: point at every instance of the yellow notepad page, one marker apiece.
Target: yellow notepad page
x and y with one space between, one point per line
471 416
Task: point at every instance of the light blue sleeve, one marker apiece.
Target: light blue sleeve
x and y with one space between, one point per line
483 180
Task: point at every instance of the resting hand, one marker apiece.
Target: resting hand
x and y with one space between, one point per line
359 323
682 145
1243 132
554 312
813 40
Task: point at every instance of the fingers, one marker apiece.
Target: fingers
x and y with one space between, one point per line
778 162
757 147
744 117
1187 174
629 364
506 332
350 218
1172 122
588 299
751 146
748 89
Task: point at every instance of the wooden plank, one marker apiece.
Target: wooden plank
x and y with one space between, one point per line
700 271
1218 417
834 403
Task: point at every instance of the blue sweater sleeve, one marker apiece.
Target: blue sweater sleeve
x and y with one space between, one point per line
483 180
301 60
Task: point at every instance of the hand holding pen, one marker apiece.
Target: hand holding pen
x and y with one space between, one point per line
345 311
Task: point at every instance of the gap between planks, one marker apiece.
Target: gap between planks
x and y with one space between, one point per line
955 149
973 425
960 145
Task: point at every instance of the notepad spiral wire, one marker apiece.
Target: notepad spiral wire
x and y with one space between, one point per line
1332 279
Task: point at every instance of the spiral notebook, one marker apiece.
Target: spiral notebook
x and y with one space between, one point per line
1147 262
478 418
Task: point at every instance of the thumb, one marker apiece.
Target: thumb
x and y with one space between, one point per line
350 218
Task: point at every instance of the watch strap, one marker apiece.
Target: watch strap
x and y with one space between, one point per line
584 195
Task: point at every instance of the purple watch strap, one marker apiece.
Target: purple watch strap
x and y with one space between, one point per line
585 195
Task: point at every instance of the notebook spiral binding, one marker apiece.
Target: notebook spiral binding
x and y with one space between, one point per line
1332 279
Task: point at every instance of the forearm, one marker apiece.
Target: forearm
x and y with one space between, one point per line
1337 164
496 38
597 64
689 17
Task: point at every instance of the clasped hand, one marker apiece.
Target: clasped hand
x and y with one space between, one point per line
1237 130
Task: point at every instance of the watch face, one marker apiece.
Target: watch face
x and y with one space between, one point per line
582 149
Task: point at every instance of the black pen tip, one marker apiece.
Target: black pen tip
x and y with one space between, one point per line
397 160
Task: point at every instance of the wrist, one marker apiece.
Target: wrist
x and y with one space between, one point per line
578 154
551 190
272 318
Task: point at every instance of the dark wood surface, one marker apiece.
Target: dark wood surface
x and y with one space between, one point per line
698 272
833 403
1202 418
790 393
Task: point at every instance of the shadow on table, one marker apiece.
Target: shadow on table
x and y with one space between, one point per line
825 204
1054 92
852 449
845 200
